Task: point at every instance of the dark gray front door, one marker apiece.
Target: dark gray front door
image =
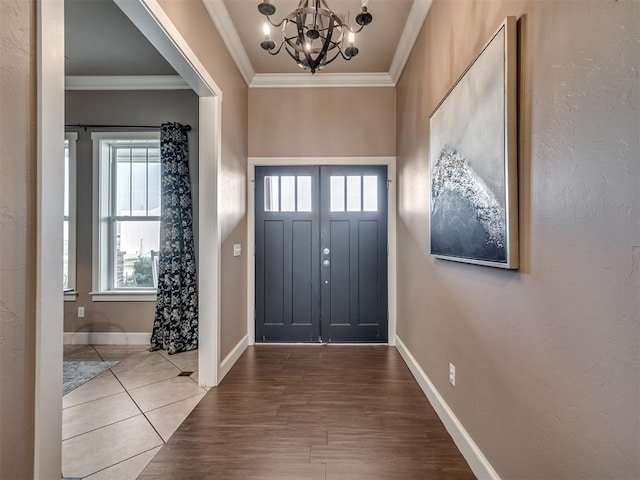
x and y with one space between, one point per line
321 254
353 212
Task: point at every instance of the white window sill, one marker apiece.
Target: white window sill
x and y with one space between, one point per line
70 296
124 296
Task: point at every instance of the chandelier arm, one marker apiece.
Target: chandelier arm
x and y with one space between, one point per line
337 44
276 51
341 53
356 31
275 25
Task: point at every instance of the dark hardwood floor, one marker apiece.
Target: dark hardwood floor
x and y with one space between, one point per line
313 413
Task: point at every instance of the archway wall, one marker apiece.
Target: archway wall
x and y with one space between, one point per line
194 23
17 236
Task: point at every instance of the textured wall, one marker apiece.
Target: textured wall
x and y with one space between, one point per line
547 357
118 108
17 236
195 25
317 122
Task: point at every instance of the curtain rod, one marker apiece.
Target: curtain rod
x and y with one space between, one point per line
154 127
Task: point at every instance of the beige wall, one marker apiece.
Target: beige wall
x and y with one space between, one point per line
322 122
118 108
17 236
195 25
547 357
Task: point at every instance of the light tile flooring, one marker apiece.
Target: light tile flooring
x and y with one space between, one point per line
113 425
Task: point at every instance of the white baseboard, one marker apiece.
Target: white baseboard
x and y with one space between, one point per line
230 360
107 338
472 454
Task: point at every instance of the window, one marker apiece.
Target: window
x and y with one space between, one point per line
287 193
359 193
69 227
127 213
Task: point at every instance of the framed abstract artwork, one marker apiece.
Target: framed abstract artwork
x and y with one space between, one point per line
473 160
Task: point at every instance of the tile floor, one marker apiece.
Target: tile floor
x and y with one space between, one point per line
113 425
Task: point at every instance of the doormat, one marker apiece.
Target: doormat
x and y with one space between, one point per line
79 372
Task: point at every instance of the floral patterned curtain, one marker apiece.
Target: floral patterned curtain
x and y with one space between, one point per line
175 327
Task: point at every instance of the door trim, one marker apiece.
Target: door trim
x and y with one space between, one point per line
150 19
253 162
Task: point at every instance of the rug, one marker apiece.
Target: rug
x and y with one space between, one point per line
78 372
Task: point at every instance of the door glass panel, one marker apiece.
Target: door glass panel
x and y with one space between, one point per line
287 194
370 193
271 194
354 194
337 193
304 194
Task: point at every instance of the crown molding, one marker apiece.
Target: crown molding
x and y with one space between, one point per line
125 82
305 80
222 20
417 16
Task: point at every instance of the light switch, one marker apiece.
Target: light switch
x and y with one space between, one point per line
237 249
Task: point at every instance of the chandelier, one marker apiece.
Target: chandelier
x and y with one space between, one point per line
313 35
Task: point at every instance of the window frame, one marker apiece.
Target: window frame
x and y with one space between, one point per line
104 218
71 138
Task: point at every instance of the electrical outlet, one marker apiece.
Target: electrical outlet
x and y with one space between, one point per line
80 312
452 374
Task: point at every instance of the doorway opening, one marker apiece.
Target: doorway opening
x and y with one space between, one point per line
321 254
152 21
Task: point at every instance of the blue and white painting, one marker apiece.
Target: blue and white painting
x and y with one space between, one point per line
467 160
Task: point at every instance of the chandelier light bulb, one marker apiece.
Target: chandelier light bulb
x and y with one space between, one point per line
267 43
365 3
351 51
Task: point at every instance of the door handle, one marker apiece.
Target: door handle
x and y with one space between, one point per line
326 263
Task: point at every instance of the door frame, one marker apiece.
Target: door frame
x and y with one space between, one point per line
254 162
152 21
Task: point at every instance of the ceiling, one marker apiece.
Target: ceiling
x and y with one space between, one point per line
377 42
100 40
